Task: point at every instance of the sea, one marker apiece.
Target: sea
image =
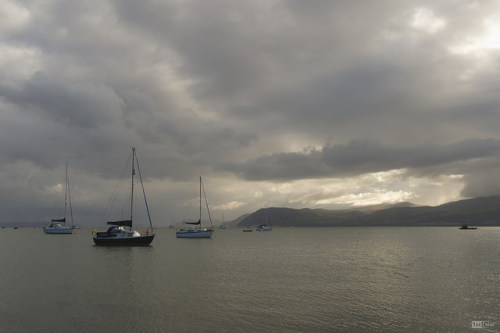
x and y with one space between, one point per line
361 279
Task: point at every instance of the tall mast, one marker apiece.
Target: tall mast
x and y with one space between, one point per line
200 201
69 196
66 193
132 192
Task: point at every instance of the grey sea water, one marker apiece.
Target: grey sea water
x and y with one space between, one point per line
287 280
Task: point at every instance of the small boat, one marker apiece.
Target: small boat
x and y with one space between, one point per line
120 233
223 225
263 227
197 231
58 226
466 227
247 229
194 232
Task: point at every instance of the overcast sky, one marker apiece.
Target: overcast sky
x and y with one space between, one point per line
319 104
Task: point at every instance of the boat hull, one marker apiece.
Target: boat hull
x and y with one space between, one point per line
124 241
58 231
194 234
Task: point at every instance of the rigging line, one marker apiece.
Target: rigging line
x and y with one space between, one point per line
144 193
206 202
116 190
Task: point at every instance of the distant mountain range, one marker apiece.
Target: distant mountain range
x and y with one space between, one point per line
483 211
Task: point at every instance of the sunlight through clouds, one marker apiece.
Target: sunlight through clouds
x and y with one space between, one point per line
427 21
14 16
489 40
375 198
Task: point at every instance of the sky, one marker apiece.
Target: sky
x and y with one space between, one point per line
317 104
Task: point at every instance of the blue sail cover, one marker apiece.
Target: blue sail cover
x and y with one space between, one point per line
194 223
127 223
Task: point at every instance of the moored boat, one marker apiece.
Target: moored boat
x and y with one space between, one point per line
120 233
58 226
466 227
263 227
197 231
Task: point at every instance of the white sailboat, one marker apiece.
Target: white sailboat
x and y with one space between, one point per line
197 231
58 226
121 233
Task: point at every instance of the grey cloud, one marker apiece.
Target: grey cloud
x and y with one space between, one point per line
360 157
200 87
481 180
62 101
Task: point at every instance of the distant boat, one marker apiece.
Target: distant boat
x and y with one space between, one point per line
466 227
121 233
247 229
263 227
223 225
198 231
58 226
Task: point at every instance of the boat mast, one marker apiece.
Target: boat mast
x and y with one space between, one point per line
200 201
206 202
66 193
69 197
132 192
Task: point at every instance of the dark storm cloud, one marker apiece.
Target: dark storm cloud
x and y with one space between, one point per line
70 103
201 86
360 157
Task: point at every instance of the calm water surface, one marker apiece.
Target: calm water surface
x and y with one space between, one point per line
289 279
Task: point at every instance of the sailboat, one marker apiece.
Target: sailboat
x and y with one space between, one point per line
198 231
223 226
264 227
58 226
120 233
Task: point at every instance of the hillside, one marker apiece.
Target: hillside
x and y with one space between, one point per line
483 211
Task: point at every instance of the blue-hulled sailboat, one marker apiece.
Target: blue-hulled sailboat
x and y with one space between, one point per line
58 226
197 231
